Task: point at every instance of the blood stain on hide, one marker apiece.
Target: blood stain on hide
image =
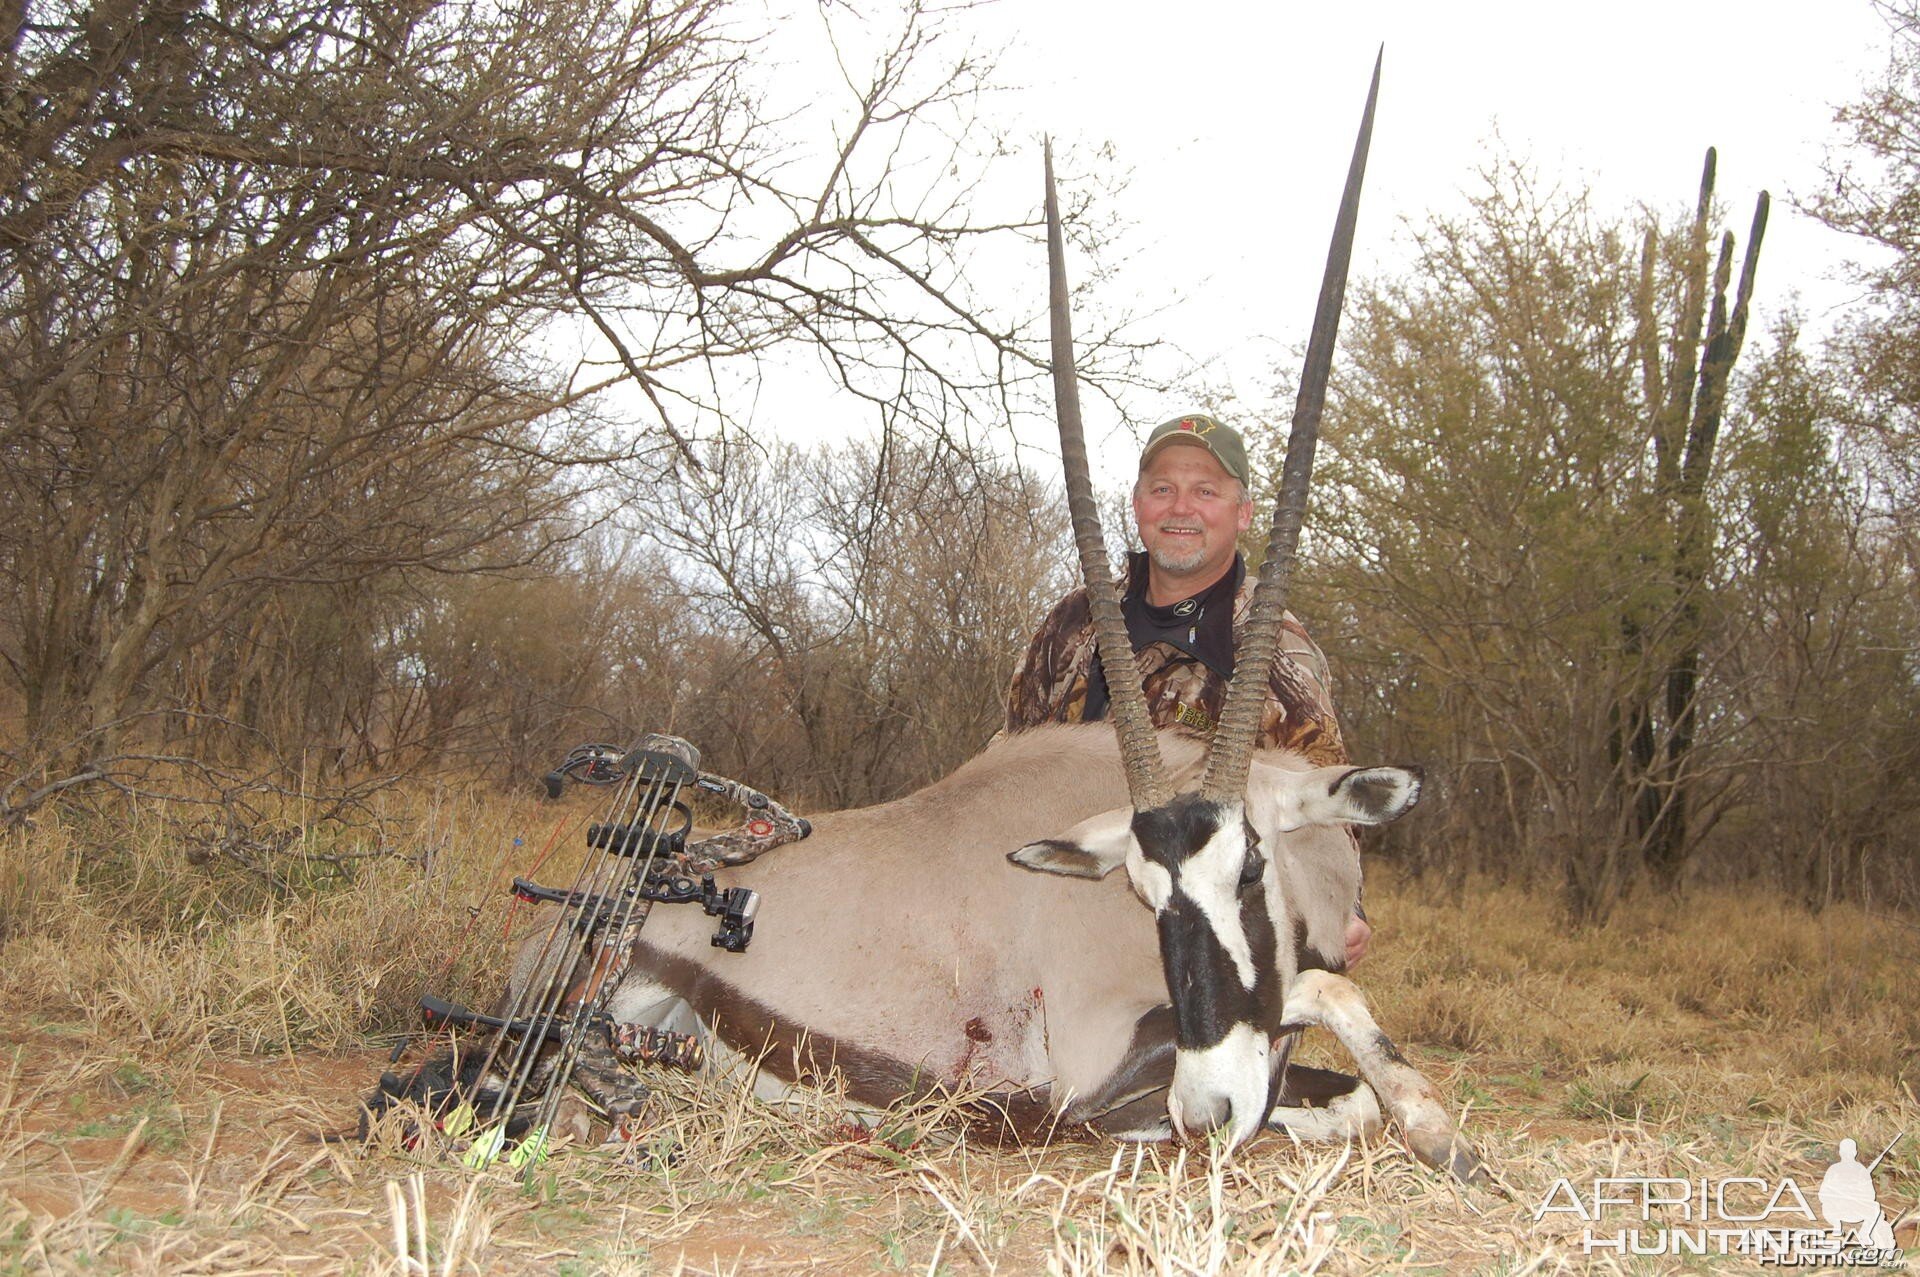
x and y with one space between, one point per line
977 1035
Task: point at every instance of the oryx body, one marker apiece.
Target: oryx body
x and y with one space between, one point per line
907 952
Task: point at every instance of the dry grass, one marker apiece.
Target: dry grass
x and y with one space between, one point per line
175 1039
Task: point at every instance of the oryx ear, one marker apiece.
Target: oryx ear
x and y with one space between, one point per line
1376 795
1091 849
1333 795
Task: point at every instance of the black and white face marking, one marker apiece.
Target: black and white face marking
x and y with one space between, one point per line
1198 865
1215 895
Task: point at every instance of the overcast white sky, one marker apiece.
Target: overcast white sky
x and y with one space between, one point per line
1236 120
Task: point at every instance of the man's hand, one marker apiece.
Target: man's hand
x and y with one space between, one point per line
1358 936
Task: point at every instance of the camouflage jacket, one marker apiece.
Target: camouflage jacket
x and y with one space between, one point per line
1182 692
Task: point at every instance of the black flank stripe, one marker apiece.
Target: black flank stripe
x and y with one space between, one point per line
750 1027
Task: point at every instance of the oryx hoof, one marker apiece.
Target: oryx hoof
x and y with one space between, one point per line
633 1148
616 1092
1450 1153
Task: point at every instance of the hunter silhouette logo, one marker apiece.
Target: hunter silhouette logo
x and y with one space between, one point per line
1767 1220
1848 1202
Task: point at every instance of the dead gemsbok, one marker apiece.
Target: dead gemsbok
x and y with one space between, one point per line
905 948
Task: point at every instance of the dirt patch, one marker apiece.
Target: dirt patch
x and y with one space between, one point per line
215 1163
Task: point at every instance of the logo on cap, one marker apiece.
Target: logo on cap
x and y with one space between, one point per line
1221 440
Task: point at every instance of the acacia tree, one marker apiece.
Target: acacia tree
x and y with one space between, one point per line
1872 191
870 602
272 277
1821 683
1858 837
1501 538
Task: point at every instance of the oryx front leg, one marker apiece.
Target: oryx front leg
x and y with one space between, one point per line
1320 997
1321 1106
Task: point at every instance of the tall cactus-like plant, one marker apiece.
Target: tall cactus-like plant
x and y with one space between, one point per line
1688 410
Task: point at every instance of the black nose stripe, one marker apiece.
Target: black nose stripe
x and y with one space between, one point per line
1203 981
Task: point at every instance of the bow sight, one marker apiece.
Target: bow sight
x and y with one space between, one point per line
586 765
734 906
557 1030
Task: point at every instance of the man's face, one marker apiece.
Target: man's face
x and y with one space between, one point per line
1189 510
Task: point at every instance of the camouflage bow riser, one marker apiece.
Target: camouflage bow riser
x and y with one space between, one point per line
557 1033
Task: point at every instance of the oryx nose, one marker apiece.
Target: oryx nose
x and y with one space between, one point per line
1200 1118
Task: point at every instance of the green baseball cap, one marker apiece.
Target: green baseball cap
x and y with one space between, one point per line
1222 441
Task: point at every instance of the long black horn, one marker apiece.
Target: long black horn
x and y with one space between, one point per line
1139 749
1232 750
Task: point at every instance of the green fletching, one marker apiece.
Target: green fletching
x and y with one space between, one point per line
529 1151
485 1148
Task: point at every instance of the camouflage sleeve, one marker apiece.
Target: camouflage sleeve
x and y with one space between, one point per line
1044 690
1312 662
1299 711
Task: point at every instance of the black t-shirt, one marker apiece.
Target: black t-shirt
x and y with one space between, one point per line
1200 626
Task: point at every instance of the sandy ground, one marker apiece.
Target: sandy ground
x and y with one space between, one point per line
118 1162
